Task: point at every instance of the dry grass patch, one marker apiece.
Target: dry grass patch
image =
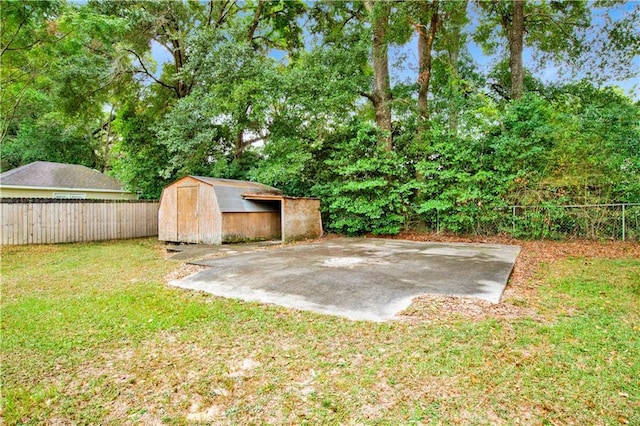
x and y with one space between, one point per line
520 297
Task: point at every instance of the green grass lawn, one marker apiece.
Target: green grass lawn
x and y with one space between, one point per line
91 334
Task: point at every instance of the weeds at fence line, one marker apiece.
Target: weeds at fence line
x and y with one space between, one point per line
591 221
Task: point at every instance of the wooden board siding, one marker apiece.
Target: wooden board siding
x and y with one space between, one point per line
187 211
167 215
179 222
250 226
65 221
209 217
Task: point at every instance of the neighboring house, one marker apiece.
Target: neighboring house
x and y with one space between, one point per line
43 179
208 210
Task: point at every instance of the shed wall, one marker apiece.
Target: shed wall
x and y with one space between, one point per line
301 219
187 210
194 219
168 215
209 217
250 226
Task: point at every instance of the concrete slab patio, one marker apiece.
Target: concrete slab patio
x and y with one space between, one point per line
358 278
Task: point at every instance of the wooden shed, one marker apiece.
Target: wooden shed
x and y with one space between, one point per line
207 210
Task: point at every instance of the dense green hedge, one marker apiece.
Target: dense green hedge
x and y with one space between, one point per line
581 146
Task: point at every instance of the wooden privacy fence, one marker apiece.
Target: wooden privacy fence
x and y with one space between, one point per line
49 221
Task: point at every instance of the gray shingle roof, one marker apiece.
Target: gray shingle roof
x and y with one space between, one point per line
229 195
58 175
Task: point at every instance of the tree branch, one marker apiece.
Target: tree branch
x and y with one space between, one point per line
12 77
226 8
5 48
548 17
150 75
210 14
256 21
369 96
105 123
254 140
14 109
88 95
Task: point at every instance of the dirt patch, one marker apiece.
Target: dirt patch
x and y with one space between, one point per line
183 271
518 297
432 307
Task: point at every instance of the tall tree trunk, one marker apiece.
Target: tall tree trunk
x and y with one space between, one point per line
453 40
426 37
239 144
379 13
516 42
454 53
107 143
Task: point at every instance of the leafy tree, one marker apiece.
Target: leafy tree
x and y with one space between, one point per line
50 138
210 102
597 156
314 98
378 24
364 187
138 159
56 63
26 34
613 42
550 27
238 88
378 15
166 24
426 17
438 26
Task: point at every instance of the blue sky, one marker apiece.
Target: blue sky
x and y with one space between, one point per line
404 60
549 74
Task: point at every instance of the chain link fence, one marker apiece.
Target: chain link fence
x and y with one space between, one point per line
591 221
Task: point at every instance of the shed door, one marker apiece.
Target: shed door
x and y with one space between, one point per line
188 214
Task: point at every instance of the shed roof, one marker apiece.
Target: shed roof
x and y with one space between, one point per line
229 193
58 175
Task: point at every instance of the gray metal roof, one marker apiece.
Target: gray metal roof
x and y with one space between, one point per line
58 175
229 195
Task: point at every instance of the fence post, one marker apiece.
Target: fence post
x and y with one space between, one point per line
623 224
